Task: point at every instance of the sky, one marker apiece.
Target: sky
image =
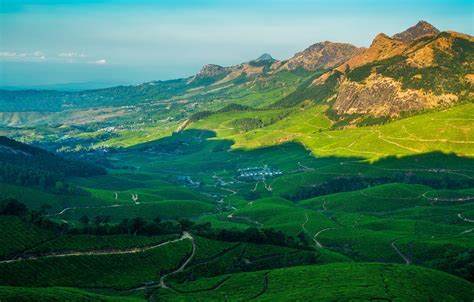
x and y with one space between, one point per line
44 42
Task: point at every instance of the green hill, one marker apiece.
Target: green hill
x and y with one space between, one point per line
361 281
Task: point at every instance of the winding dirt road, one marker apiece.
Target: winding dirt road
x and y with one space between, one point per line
102 252
186 235
464 218
90 207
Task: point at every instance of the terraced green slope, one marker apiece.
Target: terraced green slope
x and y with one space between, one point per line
32 294
17 236
341 282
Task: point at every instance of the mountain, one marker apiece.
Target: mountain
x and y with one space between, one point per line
415 70
422 28
427 73
322 55
264 59
210 73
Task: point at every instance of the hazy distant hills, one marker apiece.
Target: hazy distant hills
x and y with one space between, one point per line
64 86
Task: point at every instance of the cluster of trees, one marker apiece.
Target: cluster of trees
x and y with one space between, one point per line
252 235
100 225
247 123
233 107
250 123
32 177
200 115
347 184
456 263
26 165
13 207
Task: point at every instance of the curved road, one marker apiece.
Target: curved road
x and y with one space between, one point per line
185 235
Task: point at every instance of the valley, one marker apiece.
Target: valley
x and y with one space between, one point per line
342 173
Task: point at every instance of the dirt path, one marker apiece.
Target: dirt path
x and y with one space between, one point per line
464 218
432 170
317 234
405 258
186 235
264 288
91 207
305 167
303 226
268 187
231 216
100 252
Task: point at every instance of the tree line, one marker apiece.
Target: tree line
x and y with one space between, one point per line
102 225
354 183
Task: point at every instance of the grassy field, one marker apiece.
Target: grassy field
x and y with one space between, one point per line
448 131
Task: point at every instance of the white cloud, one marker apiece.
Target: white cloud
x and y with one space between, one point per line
13 55
38 55
71 55
8 54
100 62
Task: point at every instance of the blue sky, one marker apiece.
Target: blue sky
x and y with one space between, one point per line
124 41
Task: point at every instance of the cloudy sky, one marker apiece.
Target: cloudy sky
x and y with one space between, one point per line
131 41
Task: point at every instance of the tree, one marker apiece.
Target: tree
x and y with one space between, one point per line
303 237
44 208
137 224
84 220
185 224
13 207
98 219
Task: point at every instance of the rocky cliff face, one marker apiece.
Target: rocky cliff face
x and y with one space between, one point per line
406 72
384 96
212 70
322 55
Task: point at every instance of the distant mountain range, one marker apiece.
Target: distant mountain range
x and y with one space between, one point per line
64 86
417 69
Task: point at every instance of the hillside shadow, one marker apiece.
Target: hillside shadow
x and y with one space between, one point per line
200 151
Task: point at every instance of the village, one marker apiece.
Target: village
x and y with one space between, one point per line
258 173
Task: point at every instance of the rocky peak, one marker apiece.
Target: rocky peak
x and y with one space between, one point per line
211 70
422 28
322 55
381 39
265 58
